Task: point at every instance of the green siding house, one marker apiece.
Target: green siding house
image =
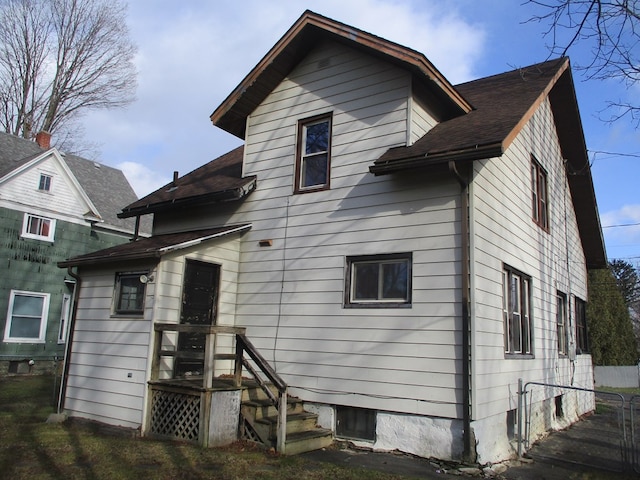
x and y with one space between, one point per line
52 206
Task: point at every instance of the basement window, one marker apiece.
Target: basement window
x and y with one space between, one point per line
559 409
512 424
356 423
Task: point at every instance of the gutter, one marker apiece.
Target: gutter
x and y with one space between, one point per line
477 152
67 351
468 439
222 196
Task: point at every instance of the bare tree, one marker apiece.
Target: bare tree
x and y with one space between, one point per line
610 27
60 58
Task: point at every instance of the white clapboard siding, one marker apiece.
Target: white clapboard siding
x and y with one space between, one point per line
293 292
107 373
504 185
62 201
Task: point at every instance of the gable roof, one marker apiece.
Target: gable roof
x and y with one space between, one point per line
106 187
502 105
309 30
152 248
220 180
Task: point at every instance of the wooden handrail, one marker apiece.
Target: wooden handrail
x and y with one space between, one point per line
243 344
271 374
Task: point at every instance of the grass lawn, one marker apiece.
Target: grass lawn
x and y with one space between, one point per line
32 449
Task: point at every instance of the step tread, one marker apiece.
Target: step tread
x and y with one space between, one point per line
308 434
272 419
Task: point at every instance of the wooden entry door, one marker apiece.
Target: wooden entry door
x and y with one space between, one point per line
199 305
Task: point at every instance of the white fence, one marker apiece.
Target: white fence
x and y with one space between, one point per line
618 377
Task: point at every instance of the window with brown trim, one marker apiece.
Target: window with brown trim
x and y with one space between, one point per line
561 323
378 281
582 342
313 156
516 307
539 196
129 293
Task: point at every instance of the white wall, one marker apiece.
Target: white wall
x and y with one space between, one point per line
290 295
108 363
110 358
63 201
554 260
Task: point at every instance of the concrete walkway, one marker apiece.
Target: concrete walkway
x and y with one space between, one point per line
588 450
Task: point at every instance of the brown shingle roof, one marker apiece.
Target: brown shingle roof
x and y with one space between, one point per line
219 180
501 103
152 248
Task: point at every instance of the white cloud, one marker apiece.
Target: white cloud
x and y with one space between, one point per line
142 179
192 54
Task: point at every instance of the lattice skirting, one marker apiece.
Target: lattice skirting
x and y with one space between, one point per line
175 415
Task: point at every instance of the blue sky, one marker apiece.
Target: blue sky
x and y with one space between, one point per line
192 53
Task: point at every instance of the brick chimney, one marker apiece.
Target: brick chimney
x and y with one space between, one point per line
43 139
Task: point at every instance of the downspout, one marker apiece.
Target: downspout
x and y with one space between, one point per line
67 351
468 439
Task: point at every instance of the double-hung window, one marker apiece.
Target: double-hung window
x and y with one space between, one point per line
45 182
378 281
37 227
129 293
539 195
26 317
582 343
561 322
313 157
516 308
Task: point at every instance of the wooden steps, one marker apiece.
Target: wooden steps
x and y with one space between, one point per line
303 433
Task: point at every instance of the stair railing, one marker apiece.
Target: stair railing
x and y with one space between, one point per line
244 345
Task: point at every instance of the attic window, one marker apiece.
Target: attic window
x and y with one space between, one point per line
313 158
45 182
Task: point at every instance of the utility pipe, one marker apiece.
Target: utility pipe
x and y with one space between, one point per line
467 438
67 352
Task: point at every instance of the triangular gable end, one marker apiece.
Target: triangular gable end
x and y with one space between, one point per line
308 30
91 214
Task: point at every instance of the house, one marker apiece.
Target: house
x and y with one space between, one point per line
400 251
52 206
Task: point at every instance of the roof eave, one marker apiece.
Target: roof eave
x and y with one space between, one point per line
475 153
223 196
232 113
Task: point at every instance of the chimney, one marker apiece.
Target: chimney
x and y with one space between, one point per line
43 139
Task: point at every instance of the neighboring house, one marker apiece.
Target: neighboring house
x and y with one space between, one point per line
401 250
52 206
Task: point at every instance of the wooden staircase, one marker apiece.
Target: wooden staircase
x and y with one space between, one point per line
259 422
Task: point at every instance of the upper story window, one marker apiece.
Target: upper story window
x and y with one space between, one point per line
539 196
45 182
313 157
516 307
378 281
129 293
582 343
26 317
561 322
39 228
